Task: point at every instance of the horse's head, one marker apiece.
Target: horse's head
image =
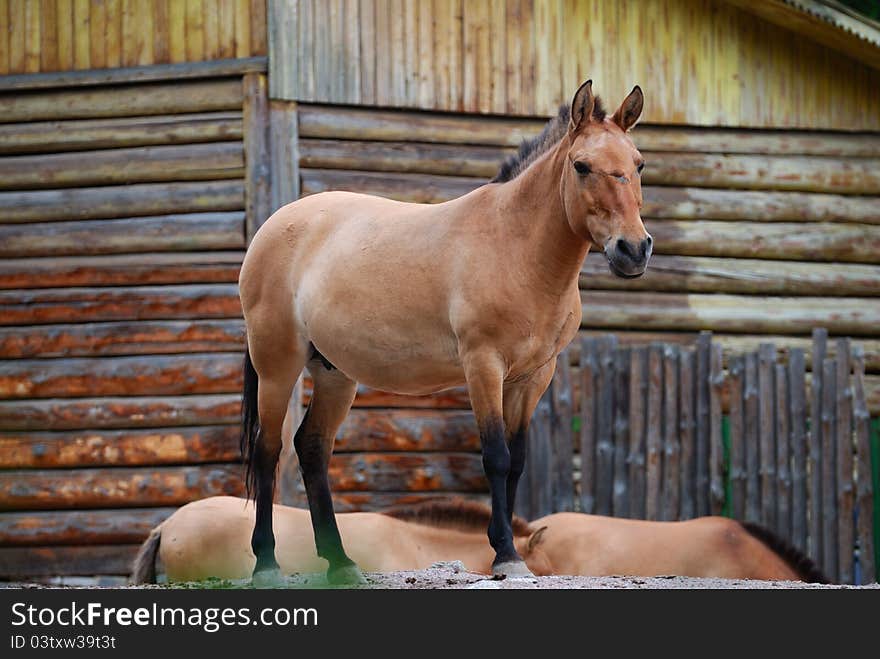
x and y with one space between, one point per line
601 185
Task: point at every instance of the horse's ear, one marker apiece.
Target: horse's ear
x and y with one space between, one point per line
581 105
536 538
630 110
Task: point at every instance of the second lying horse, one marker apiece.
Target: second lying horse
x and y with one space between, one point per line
211 538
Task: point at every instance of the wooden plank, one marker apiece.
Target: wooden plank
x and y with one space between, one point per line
58 305
656 311
189 231
605 420
122 338
767 433
25 563
119 448
540 460
829 450
408 430
563 436
799 446
671 441
845 486
737 439
717 494
191 162
783 454
654 434
89 134
284 167
753 455
588 416
359 501
638 391
256 151
864 486
454 398
79 527
687 424
124 101
419 188
816 467
417 472
117 487
620 497
113 34
73 414
702 436
121 201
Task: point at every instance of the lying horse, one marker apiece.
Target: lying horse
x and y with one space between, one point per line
210 538
417 298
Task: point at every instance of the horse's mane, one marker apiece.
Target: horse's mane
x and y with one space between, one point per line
802 564
459 514
532 148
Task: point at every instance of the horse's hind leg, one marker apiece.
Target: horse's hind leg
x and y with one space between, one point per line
332 397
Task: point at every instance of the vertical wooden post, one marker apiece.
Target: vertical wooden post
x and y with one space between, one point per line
671 442
687 507
865 490
588 411
845 531
820 338
750 405
783 471
704 343
563 436
829 446
798 426
256 151
604 432
716 443
620 498
541 457
737 439
638 386
654 433
767 433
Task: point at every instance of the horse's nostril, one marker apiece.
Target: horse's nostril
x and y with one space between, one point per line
644 247
625 248
649 240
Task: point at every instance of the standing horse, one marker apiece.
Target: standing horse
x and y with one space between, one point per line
416 298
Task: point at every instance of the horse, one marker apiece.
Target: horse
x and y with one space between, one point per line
211 538
413 299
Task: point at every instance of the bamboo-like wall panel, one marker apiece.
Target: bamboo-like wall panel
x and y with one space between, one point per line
701 62
38 36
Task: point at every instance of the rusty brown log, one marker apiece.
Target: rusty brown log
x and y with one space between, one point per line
407 430
455 398
411 471
122 101
121 338
61 305
420 188
79 527
118 448
191 231
213 267
28 563
346 502
117 487
155 412
121 201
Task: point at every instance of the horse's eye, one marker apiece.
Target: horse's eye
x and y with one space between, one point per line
640 168
581 168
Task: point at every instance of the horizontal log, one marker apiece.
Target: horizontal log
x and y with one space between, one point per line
696 274
79 527
352 502
419 188
121 338
730 313
119 448
121 201
64 489
333 122
93 413
134 74
23 563
213 267
122 101
59 305
407 430
455 398
151 375
83 135
190 231
144 164
813 241
412 472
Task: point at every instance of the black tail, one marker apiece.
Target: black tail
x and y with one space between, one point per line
143 569
250 424
803 565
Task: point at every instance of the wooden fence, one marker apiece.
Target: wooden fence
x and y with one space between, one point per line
668 432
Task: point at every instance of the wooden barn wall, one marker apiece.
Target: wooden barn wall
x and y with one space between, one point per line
65 35
700 62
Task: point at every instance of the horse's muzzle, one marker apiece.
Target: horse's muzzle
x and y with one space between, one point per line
629 260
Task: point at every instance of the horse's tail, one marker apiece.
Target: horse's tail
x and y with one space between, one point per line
250 423
803 565
143 570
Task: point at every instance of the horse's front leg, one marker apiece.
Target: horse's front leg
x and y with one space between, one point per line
485 377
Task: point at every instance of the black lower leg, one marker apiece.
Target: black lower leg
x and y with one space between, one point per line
517 448
497 465
263 539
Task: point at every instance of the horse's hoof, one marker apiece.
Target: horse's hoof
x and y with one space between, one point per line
346 575
271 578
512 570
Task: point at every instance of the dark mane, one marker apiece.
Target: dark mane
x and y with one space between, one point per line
458 514
802 564
531 149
